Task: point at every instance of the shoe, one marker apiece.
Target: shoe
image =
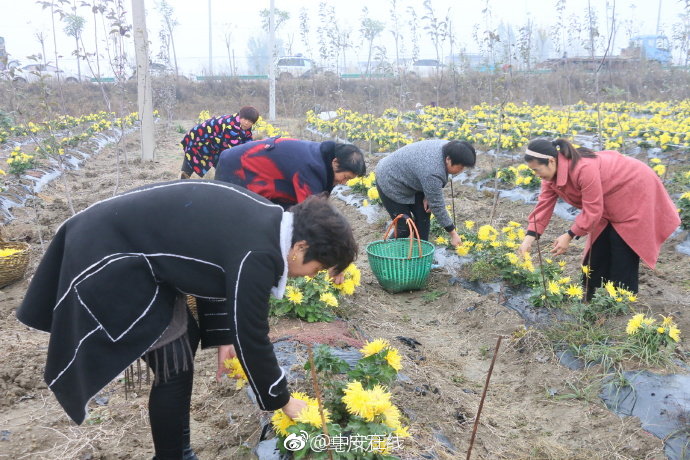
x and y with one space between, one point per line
188 454
184 175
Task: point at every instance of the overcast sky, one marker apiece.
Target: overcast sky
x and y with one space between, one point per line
21 20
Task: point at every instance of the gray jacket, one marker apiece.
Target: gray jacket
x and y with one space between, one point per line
417 167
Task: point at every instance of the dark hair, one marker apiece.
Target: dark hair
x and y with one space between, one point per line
249 113
551 148
326 231
460 152
350 158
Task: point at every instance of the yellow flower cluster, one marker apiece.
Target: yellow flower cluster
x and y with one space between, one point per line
640 322
236 372
373 405
618 293
264 129
353 277
658 167
653 124
310 415
518 175
377 346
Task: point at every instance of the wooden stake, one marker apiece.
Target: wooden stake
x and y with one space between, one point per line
317 391
481 402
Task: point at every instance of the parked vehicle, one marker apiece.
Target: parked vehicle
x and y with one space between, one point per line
295 67
425 68
35 72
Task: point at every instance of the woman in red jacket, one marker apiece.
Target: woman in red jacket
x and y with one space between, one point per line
626 211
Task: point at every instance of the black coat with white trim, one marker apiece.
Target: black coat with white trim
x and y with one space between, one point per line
106 286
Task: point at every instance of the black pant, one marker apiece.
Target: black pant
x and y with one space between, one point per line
422 219
611 259
171 395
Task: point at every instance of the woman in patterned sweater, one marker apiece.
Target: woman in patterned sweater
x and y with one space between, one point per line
203 143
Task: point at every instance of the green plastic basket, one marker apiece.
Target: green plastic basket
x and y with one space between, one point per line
401 264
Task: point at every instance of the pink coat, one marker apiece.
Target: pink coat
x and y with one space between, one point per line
611 188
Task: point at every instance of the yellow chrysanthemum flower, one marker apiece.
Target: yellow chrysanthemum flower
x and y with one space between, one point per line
329 299
373 193
393 359
312 416
294 295
462 250
554 288
441 241
660 330
610 288
353 273
634 324
574 291
674 333
281 422
366 403
469 224
347 287
586 270
236 372
487 233
373 347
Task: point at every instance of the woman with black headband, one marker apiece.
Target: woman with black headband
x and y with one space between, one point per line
626 211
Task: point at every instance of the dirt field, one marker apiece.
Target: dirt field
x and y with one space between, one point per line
535 408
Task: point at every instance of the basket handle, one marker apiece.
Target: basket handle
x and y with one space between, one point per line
414 233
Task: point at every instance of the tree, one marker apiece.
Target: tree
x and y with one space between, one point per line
280 16
74 25
169 22
370 29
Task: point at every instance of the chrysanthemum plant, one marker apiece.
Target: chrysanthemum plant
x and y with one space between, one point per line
366 186
315 299
520 176
362 421
649 340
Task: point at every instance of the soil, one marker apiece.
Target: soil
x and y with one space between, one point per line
535 408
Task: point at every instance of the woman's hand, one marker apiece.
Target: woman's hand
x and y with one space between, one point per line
224 352
294 407
526 245
455 239
561 244
426 205
336 278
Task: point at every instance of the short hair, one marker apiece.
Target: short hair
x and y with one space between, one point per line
350 158
249 113
460 152
327 232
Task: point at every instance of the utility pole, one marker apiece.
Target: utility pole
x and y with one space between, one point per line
271 64
210 42
658 20
144 92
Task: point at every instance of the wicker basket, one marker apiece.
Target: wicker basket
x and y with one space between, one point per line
13 267
396 265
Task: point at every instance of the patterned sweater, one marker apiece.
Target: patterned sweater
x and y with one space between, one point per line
203 143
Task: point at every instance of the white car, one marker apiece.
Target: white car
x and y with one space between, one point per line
34 72
295 67
425 68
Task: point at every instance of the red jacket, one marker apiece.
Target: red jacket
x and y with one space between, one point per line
611 188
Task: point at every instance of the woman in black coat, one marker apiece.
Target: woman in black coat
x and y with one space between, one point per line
110 287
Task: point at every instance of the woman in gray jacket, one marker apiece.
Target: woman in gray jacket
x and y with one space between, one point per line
411 180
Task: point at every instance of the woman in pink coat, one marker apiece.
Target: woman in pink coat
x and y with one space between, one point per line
626 211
